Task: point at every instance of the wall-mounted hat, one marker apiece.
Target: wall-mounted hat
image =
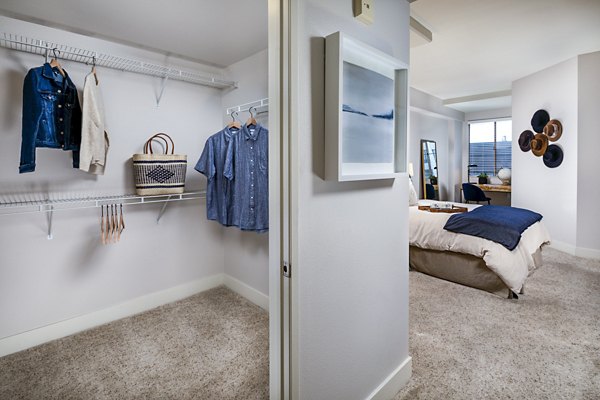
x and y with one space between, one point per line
539 144
539 120
553 130
525 140
553 156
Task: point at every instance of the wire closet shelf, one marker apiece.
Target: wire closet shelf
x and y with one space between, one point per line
24 204
64 52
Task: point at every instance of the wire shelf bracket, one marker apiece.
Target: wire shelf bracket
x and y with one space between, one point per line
42 48
49 206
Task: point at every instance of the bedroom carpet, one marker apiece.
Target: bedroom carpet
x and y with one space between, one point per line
468 344
213 345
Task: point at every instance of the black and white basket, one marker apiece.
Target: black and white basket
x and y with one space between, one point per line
159 173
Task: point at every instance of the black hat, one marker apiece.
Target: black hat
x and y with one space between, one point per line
539 120
553 156
525 140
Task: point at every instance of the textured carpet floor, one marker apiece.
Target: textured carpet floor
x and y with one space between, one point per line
213 345
467 344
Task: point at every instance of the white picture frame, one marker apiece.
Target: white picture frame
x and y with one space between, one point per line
366 111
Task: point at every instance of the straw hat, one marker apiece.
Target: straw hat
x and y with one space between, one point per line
539 144
553 130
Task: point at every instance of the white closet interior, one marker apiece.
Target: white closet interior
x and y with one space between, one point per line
53 288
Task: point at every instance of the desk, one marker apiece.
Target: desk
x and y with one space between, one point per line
500 194
494 188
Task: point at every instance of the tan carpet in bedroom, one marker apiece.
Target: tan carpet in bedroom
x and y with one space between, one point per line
213 345
465 344
468 344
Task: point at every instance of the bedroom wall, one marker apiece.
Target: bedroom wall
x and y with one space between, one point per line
45 281
350 271
569 92
550 191
430 119
588 229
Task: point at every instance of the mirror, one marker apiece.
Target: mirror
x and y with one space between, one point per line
429 170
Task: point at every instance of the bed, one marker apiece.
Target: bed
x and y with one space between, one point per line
470 260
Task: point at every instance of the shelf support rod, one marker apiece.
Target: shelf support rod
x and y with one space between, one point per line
49 215
162 89
163 209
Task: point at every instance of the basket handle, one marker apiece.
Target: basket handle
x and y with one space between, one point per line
148 145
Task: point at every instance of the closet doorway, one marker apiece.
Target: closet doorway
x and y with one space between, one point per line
89 303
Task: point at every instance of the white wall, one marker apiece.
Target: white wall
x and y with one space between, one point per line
247 253
350 273
588 183
552 192
44 281
431 120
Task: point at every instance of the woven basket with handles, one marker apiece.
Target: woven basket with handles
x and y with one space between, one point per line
159 173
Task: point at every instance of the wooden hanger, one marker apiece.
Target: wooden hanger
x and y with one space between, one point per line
102 240
251 120
55 64
234 123
121 224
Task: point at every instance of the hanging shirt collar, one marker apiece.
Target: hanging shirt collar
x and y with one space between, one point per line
248 135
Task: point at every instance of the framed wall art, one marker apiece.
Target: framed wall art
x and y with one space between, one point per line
366 106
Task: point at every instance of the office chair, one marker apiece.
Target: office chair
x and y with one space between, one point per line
429 191
474 193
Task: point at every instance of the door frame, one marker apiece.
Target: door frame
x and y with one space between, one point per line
283 318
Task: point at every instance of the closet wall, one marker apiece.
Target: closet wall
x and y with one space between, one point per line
247 253
46 281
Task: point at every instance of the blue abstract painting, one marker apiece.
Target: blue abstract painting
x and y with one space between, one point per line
367 116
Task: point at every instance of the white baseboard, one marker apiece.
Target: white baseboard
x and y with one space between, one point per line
587 253
253 295
34 337
394 382
574 250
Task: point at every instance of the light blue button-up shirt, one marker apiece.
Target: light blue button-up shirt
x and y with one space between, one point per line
246 166
212 165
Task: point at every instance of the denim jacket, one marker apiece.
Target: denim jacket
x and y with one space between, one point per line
51 115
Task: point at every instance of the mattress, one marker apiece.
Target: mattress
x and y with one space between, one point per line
426 231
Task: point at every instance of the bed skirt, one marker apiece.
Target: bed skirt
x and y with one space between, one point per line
464 269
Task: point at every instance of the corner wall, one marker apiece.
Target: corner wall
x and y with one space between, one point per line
350 275
431 120
588 183
45 281
247 253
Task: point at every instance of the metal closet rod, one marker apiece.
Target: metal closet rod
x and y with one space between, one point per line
44 48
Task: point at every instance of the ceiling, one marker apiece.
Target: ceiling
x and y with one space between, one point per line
482 46
217 33
479 46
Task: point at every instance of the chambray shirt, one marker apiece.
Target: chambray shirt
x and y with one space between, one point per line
212 165
247 167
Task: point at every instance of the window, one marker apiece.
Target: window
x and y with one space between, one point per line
490 146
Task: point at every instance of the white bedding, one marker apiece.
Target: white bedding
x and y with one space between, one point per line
426 230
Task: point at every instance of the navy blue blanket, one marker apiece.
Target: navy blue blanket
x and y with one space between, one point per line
500 224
